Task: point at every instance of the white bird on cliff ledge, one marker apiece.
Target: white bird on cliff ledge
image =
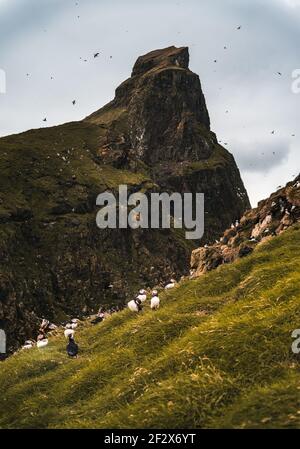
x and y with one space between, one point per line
42 343
28 344
142 295
69 332
132 305
171 284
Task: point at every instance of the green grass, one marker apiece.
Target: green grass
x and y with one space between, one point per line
217 354
44 162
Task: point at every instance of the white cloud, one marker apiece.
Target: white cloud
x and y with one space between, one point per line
292 3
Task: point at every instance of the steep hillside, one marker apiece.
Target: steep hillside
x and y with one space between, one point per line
154 136
217 354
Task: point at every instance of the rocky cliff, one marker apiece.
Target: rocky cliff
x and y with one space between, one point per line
159 121
272 217
154 136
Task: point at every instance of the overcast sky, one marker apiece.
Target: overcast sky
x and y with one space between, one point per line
46 38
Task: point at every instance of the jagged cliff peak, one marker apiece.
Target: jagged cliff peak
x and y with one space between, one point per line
167 57
163 107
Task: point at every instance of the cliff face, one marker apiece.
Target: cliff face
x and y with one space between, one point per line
159 118
164 110
272 217
154 136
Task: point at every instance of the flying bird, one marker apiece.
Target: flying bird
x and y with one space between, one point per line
44 120
74 102
273 132
239 27
96 55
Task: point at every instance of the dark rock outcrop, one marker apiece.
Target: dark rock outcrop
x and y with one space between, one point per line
159 118
154 136
272 217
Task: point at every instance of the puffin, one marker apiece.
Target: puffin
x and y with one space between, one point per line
171 284
72 348
155 301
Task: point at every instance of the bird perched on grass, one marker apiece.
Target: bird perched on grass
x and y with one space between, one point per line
72 347
171 284
155 301
42 343
142 296
28 344
135 305
69 333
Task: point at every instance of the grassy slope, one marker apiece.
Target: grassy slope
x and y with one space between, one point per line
41 162
217 354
